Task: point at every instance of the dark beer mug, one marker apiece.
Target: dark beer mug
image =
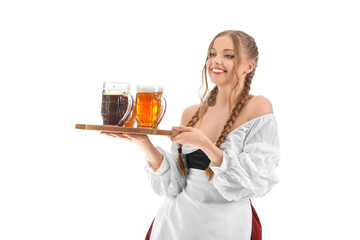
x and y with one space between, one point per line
117 103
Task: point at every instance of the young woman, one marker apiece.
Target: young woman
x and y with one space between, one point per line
225 153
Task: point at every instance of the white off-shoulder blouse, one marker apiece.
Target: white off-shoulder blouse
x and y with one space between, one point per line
196 208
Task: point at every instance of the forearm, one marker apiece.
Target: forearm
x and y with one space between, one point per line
214 153
152 154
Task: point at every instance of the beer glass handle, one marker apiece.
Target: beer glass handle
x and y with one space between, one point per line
162 112
129 109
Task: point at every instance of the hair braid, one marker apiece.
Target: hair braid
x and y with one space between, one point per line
210 101
244 45
235 112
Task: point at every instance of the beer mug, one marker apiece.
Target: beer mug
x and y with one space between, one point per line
117 103
150 106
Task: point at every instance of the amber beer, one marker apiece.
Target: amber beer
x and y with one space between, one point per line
150 106
131 119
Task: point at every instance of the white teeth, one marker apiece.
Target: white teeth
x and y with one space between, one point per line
217 70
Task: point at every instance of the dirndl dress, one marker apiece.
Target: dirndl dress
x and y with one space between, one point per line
195 208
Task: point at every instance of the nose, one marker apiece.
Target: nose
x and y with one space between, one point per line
216 59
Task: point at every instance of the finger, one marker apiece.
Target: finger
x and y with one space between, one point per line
177 138
116 135
175 133
129 136
181 128
120 135
106 133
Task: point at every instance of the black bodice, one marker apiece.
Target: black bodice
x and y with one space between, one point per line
197 160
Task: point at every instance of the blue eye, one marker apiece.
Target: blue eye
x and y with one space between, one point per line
229 56
211 54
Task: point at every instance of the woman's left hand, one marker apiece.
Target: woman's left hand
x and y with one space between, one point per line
190 136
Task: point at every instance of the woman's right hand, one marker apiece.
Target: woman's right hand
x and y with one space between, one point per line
152 154
135 138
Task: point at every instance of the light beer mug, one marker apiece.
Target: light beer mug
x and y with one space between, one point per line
150 106
117 103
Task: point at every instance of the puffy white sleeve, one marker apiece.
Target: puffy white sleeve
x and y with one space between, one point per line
250 156
167 180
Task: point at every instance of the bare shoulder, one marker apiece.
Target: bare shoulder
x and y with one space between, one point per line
258 106
188 113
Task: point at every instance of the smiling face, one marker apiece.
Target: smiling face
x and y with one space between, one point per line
221 60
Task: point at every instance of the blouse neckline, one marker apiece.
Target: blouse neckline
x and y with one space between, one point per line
262 116
235 129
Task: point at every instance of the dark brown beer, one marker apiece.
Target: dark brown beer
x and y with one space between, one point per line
113 108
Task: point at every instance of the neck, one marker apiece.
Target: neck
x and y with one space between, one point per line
222 98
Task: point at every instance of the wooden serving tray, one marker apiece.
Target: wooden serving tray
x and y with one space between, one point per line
132 130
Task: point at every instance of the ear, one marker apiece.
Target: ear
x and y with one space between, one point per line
250 67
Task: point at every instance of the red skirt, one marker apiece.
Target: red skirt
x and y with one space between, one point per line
256 231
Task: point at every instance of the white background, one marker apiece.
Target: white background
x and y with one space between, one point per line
60 183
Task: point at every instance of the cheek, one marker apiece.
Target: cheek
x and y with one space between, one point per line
229 65
240 70
208 64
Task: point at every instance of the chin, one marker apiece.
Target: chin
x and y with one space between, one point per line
218 81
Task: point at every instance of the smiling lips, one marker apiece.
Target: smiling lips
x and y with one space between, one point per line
217 70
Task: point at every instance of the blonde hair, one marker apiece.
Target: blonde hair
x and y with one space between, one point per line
243 43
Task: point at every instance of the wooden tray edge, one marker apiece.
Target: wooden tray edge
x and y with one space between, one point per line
111 128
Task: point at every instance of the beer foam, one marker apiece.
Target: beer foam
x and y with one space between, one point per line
116 86
149 88
113 94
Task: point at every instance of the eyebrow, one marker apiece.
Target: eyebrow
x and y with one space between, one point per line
226 49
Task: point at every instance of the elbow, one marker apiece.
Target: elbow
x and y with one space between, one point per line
241 192
265 187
